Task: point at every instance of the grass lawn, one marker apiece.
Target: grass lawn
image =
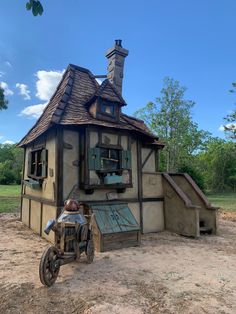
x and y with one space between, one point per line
9 198
226 201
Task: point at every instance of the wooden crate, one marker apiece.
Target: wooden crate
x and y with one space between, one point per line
115 227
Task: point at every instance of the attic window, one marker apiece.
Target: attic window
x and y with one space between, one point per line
108 109
37 164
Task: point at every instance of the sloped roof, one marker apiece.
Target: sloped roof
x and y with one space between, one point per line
68 105
109 92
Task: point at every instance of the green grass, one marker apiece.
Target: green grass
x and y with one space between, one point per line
226 201
9 198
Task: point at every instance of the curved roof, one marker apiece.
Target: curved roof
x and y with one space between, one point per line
69 105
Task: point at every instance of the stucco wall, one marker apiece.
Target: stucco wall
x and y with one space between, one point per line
35 216
150 165
49 212
70 161
25 211
152 184
135 209
178 217
153 217
209 216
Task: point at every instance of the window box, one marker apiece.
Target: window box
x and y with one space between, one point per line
112 179
35 185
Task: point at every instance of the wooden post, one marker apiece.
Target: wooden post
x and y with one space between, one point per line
140 185
59 167
22 184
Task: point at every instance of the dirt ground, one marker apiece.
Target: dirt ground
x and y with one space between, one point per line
167 274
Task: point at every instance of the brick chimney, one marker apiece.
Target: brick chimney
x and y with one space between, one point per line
116 59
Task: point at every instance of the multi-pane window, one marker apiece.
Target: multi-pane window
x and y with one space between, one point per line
109 159
37 164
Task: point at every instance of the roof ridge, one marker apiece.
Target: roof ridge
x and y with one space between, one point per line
59 109
85 70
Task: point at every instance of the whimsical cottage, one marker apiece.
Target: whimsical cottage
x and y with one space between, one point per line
84 147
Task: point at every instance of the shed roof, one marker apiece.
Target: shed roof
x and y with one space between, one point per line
69 105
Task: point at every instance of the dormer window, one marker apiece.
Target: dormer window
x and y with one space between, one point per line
107 108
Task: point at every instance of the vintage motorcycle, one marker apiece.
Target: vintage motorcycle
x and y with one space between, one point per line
73 236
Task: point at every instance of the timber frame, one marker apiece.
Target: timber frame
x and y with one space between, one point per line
106 158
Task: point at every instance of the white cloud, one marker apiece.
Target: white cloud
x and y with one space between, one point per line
47 83
228 125
7 90
1 74
221 128
1 137
8 142
8 64
33 111
24 91
99 81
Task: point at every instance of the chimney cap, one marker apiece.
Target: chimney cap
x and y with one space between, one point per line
117 49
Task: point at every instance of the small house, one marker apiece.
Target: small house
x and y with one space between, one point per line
83 146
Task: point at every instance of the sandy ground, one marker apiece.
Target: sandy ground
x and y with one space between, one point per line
167 274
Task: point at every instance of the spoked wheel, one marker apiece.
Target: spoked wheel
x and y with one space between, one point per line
90 251
49 266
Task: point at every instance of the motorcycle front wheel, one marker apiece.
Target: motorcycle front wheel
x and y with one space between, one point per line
49 266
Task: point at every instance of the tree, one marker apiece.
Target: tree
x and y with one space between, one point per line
217 163
230 127
170 118
35 6
11 160
3 101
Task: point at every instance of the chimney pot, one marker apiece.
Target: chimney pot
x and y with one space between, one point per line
118 42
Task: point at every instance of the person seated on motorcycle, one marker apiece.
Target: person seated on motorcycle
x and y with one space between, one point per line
71 212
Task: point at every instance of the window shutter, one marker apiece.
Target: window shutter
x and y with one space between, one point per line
126 159
94 159
44 156
29 163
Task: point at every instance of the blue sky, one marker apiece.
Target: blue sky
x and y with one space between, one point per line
192 41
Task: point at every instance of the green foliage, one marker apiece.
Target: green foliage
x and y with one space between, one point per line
218 165
170 118
11 161
35 6
195 173
230 126
3 101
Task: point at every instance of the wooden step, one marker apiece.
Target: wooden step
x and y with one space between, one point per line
205 230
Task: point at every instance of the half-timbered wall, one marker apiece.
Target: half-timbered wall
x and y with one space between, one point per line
39 205
67 169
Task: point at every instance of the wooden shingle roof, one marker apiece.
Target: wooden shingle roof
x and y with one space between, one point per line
68 105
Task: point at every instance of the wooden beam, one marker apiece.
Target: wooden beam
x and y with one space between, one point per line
140 185
39 200
30 213
22 183
59 166
41 219
146 159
